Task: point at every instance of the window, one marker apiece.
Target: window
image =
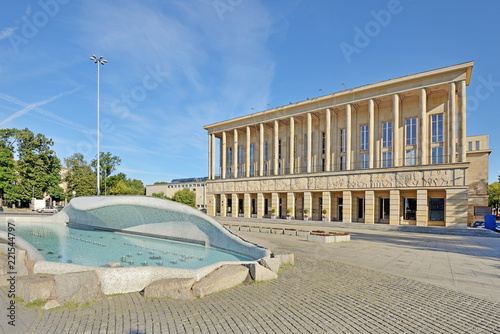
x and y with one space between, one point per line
240 171
342 163
470 146
384 208
228 172
361 207
364 161
437 155
264 169
265 151
252 170
240 155
323 164
229 156
387 134
387 159
436 209
279 149
252 153
364 137
295 146
322 143
411 157
305 146
342 140
279 168
411 131
437 128
410 211
477 145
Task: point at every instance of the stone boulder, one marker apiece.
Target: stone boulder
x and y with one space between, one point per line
220 279
38 286
175 288
271 263
261 273
285 257
79 287
51 304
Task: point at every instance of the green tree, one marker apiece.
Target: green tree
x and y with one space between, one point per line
185 196
161 195
80 177
494 195
7 172
107 165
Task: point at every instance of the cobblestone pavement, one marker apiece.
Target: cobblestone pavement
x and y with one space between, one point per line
314 296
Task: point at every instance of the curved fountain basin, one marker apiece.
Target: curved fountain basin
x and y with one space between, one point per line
144 215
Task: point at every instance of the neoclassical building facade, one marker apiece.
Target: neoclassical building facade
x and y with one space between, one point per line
393 152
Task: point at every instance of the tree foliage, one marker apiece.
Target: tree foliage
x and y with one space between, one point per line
185 196
120 185
494 195
80 177
107 164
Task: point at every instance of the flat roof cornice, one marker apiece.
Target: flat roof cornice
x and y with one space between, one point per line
375 90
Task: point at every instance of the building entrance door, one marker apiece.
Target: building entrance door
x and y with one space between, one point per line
281 205
341 202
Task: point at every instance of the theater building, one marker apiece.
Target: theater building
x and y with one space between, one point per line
393 152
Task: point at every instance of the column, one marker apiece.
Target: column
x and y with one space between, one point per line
394 207
292 144
261 149
456 208
309 142
369 207
275 147
347 206
422 207
260 205
395 131
453 123
247 205
247 158
275 203
235 209
210 157
327 205
211 204
423 140
235 154
371 133
348 138
223 205
224 158
213 157
290 204
462 147
328 136
308 204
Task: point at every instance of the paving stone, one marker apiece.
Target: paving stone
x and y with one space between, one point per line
220 279
31 287
79 287
271 263
260 273
175 288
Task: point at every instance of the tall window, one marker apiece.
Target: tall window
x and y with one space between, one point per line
265 151
477 145
342 163
240 155
252 170
252 153
470 146
240 171
437 128
387 159
305 145
387 134
411 157
323 164
279 149
364 137
437 155
410 212
384 208
229 156
264 169
279 168
364 161
342 140
436 209
228 173
323 143
361 207
411 131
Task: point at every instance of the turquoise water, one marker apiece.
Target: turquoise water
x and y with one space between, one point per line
60 243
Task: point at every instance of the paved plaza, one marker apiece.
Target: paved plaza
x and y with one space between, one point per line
382 281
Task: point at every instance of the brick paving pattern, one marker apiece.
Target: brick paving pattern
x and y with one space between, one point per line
314 296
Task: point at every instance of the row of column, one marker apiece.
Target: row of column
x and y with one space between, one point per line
397 159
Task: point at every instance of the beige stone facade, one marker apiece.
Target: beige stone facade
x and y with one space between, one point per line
393 152
198 185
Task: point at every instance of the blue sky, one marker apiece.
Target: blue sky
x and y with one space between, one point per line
174 66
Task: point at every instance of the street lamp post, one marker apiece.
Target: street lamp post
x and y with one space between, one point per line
102 62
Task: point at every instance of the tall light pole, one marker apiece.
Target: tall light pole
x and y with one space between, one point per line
102 62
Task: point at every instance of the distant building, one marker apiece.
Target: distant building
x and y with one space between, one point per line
393 152
198 185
